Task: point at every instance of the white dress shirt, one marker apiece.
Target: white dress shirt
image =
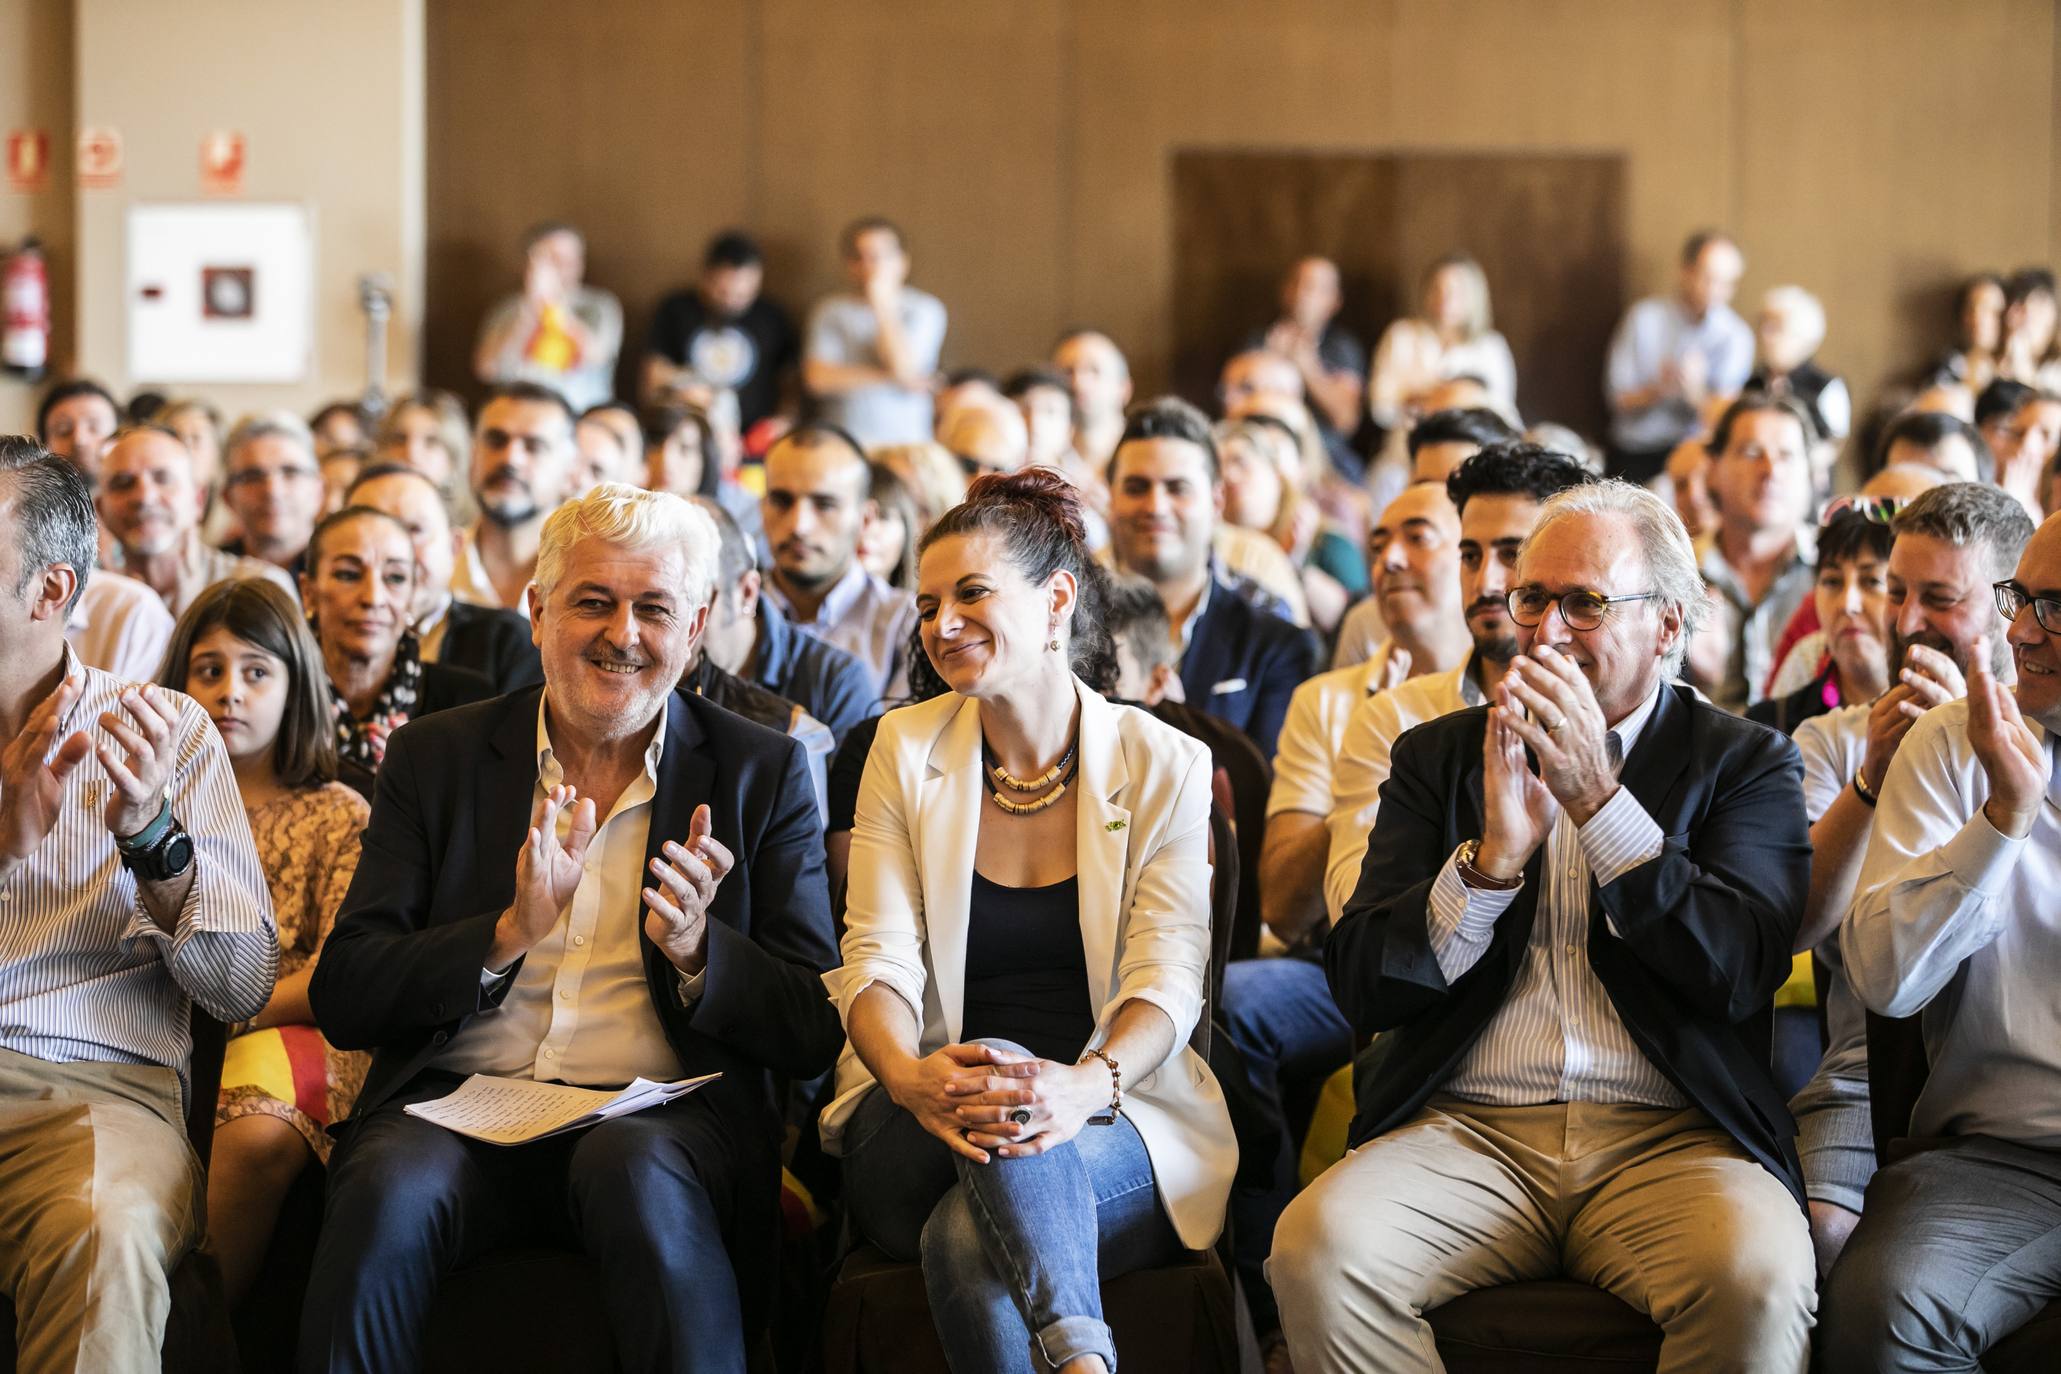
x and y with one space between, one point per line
1365 754
85 973
470 582
120 626
1312 733
866 618
580 1010
1557 1037
1960 921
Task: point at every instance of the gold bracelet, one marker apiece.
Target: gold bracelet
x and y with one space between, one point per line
1116 1088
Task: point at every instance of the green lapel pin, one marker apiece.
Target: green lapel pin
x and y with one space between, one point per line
1114 826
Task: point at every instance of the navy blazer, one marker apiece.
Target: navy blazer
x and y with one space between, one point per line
400 973
492 642
1704 932
1243 664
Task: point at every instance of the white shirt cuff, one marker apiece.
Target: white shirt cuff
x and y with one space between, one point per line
1619 837
1462 918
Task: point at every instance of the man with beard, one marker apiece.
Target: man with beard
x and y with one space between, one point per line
149 501
723 335
1239 662
522 459
1954 921
1951 544
819 495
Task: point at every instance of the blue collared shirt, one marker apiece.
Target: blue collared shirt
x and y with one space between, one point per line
824 680
866 618
1655 333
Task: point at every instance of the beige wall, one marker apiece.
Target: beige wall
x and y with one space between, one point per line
329 100
1872 150
36 93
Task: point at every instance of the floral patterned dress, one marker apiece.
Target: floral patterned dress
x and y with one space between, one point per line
308 843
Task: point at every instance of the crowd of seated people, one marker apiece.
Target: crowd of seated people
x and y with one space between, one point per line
864 734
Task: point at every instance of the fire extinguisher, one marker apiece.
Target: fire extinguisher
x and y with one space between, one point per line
25 312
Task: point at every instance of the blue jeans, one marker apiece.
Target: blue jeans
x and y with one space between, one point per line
1013 1251
1281 1016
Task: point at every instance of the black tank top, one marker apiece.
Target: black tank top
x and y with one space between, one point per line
1026 973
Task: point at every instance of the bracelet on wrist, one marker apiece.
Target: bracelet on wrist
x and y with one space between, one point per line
1116 1088
1862 790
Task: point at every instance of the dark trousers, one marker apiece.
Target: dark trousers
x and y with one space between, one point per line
1958 1246
1288 1029
648 1198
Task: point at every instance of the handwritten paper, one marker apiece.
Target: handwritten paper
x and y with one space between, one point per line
515 1111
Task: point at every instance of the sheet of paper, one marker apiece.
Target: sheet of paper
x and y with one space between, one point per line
514 1111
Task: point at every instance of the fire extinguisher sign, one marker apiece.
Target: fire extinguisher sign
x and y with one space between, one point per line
28 161
100 157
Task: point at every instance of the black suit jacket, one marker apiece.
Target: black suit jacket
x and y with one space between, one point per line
1243 664
1703 938
492 642
400 973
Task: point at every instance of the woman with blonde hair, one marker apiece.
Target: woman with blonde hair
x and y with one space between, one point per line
1454 337
1265 491
933 476
429 432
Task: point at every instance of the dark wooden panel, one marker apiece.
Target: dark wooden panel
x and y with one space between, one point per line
633 121
1548 229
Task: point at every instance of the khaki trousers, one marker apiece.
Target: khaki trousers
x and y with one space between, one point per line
100 1196
1656 1206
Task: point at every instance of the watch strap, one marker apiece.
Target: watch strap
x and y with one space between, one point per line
1463 862
148 837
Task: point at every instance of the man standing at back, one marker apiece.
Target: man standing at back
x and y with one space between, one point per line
1673 354
1332 361
557 331
819 495
873 351
724 334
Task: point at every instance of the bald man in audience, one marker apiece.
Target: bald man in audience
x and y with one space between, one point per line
150 503
986 434
492 642
1100 377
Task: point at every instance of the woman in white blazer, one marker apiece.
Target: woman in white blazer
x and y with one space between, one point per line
1027 935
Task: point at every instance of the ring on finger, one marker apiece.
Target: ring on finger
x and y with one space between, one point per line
1554 728
1021 1116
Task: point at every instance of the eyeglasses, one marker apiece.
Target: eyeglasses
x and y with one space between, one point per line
1582 610
1876 510
2012 599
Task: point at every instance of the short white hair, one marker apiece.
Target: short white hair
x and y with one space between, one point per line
1658 531
632 518
1801 309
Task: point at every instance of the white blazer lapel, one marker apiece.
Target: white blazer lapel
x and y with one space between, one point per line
947 820
1103 842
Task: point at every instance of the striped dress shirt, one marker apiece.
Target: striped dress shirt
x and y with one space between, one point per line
85 973
1558 1037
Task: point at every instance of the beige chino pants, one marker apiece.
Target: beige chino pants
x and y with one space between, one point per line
100 1196
1659 1207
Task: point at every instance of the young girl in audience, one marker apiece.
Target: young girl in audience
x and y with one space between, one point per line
1025 953
242 652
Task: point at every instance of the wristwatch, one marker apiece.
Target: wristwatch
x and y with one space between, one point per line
1463 861
161 850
